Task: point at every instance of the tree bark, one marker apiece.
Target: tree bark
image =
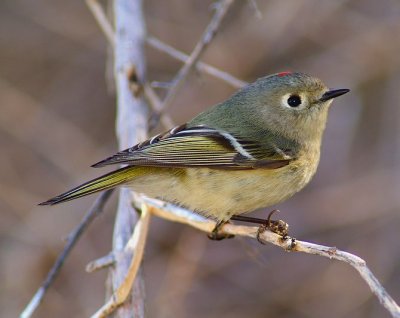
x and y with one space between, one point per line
131 128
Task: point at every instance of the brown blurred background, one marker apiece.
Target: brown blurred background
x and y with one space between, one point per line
57 118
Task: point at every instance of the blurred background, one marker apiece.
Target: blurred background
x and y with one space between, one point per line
57 118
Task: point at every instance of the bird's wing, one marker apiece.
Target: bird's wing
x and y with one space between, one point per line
199 146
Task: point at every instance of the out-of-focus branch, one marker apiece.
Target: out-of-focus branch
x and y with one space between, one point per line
108 31
190 61
156 105
131 126
102 20
73 237
208 35
175 214
101 263
201 66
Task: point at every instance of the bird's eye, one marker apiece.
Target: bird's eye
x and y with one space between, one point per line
294 100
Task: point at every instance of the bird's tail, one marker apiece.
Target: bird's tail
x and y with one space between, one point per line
107 181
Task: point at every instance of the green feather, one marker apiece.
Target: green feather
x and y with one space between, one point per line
104 182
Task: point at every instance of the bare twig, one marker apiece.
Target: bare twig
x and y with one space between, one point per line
199 49
135 247
152 97
102 20
156 105
72 238
176 214
101 263
204 67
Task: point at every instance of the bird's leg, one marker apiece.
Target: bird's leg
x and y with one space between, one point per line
277 226
215 234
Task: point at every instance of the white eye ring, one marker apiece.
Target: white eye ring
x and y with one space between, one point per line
293 101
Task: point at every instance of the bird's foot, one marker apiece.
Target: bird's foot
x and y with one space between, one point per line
216 235
277 226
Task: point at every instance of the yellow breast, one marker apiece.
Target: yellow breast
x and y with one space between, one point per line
223 193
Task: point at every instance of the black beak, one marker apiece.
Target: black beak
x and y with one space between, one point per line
333 93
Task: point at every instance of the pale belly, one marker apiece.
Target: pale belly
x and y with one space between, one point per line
222 193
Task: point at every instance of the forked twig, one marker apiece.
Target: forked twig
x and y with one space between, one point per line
102 20
95 210
201 66
134 247
108 31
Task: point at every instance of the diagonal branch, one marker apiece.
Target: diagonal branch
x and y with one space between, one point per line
199 49
175 214
102 20
156 105
157 44
95 210
204 67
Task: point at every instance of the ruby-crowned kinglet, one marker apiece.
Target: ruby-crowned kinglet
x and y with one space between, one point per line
256 149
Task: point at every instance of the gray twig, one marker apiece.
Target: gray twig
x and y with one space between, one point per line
176 214
190 62
201 66
135 248
102 20
100 263
95 210
156 105
108 31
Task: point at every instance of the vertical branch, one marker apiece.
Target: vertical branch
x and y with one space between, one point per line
131 126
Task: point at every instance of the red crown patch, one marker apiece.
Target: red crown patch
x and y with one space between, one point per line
281 74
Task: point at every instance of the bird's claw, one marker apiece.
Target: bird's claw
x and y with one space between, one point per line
216 235
276 226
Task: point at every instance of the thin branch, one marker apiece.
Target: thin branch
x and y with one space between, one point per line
100 263
155 102
156 105
135 247
102 20
199 49
359 264
107 29
95 210
201 66
175 214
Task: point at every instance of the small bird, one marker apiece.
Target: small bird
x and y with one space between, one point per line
254 150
